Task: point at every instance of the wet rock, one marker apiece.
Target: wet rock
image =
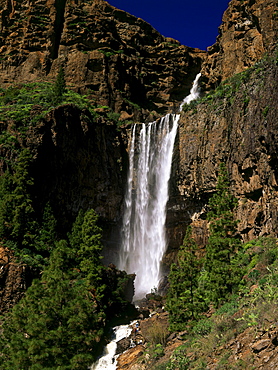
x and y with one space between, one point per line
123 345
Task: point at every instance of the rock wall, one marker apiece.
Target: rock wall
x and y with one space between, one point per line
248 31
118 60
241 131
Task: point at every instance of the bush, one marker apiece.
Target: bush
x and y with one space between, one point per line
203 327
157 333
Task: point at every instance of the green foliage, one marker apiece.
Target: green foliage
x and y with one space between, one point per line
155 351
113 116
223 243
57 324
27 104
202 327
109 53
61 320
253 307
225 92
157 333
59 87
184 300
179 360
265 111
20 230
191 106
16 211
47 232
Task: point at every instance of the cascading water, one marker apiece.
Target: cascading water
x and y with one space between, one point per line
108 360
194 92
144 239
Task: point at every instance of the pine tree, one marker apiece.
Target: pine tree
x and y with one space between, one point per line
60 321
47 230
17 210
223 242
60 87
184 301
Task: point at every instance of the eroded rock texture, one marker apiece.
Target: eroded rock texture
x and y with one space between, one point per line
117 59
248 31
240 131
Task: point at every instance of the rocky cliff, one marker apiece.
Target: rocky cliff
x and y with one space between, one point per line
236 125
248 31
121 62
118 60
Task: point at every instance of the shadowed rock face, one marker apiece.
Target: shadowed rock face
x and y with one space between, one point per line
240 131
248 31
117 59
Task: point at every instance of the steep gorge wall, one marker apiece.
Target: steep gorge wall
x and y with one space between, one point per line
118 60
241 131
238 128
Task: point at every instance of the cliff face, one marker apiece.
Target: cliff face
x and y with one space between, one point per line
117 59
236 126
239 129
247 32
121 61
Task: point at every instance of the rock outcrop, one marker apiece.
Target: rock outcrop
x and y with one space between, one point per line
241 131
247 33
118 60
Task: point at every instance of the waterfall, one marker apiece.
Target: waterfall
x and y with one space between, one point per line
194 92
108 360
143 233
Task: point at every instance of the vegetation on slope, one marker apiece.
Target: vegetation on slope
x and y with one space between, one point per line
61 320
211 300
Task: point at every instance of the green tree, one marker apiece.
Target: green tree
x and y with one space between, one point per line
86 241
47 230
17 212
184 301
223 241
60 87
60 321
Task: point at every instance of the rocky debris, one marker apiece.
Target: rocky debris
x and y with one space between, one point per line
260 345
255 346
248 30
123 345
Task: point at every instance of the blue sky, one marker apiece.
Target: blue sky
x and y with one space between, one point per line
193 22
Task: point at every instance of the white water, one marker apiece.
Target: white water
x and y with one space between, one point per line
109 361
144 240
194 92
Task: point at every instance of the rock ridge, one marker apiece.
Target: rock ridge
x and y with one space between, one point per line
248 31
115 58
